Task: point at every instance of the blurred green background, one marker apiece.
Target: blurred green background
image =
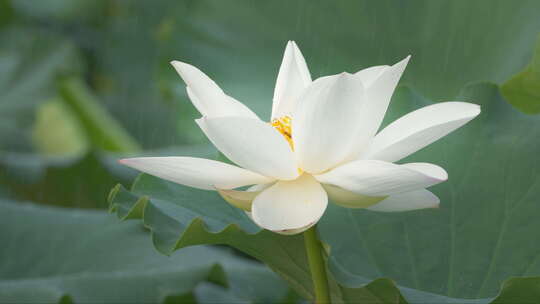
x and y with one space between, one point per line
84 82
120 51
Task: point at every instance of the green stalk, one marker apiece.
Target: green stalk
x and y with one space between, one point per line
317 265
103 131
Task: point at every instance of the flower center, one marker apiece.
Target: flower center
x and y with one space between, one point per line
283 125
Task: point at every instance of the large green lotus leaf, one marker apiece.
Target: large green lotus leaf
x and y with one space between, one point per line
523 89
52 255
480 236
180 217
380 291
525 290
519 290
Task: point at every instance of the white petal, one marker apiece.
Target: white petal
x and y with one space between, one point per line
293 78
325 122
259 187
406 201
349 199
369 75
252 144
290 204
428 169
379 178
295 231
420 128
378 97
207 96
285 232
196 172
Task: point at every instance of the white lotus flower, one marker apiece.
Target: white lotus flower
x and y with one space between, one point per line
321 143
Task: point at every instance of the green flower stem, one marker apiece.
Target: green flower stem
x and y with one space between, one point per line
317 265
102 129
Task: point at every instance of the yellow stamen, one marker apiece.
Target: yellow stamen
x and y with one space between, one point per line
283 125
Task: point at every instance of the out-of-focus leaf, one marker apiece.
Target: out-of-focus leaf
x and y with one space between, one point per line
30 63
467 248
523 89
128 72
211 293
6 12
81 181
59 10
52 255
30 60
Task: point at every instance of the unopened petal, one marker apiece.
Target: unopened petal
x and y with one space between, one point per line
242 199
293 78
413 200
239 199
290 205
196 172
379 178
325 122
349 199
420 128
207 96
252 144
